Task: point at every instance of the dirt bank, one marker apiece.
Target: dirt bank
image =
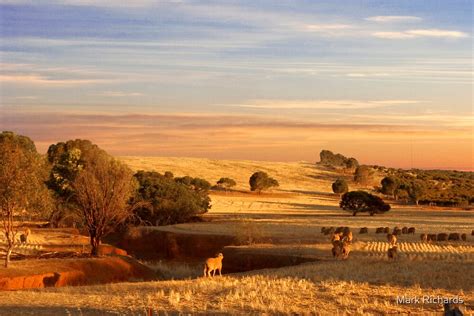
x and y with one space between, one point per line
29 274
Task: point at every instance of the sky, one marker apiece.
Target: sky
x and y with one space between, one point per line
387 82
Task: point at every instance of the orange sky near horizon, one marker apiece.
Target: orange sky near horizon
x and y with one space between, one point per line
251 138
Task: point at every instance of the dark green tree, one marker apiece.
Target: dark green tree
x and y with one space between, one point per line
361 201
226 183
260 181
340 186
169 201
389 186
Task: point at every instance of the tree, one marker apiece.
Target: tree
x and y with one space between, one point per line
389 186
102 192
260 181
20 182
67 160
363 174
168 201
351 163
417 190
340 186
361 201
226 183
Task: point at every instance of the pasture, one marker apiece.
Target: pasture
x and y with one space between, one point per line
284 222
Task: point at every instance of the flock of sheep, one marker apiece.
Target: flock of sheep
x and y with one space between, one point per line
341 238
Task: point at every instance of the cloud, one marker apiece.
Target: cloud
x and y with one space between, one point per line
322 104
438 33
393 18
115 94
327 27
35 79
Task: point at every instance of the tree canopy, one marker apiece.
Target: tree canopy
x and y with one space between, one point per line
260 181
170 201
361 201
340 186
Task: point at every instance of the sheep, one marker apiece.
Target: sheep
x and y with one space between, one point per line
364 230
397 231
411 230
392 252
379 230
464 237
454 236
432 237
213 264
405 230
392 239
386 230
442 237
424 237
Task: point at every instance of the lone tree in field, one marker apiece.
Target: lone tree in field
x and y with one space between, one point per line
260 181
20 183
361 201
340 186
101 195
226 183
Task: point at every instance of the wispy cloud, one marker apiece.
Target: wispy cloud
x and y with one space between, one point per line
116 94
322 104
438 33
393 18
35 79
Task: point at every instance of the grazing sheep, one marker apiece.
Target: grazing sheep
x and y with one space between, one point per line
329 231
323 229
24 236
464 237
442 237
364 230
411 230
454 236
424 237
397 231
405 230
347 237
346 249
213 264
392 252
380 230
339 230
386 230
432 237
392 239
335 237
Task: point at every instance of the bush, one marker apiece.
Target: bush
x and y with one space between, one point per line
226 183
361 201
389 186
363 174
171 200
260 181
340 186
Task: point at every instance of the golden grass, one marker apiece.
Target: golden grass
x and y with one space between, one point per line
357 286
289 222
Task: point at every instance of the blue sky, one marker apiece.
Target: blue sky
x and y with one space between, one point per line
404 66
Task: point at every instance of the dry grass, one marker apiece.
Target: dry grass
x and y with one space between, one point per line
289 221
358 286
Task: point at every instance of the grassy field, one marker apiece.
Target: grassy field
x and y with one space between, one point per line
285 221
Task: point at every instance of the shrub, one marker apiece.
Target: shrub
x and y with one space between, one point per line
363 174
340 186
226 183
361 201
170 201
260 181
